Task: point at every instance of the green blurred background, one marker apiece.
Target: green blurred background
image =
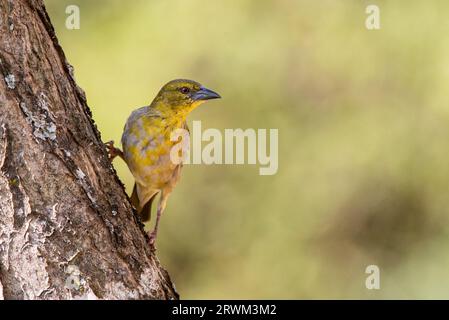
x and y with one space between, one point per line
363 119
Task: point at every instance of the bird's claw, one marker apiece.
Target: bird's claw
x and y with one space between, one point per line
110 147
152 235
112 151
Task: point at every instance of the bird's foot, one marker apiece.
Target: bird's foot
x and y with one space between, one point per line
113 151
152 235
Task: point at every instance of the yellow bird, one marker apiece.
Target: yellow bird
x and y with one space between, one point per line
146 144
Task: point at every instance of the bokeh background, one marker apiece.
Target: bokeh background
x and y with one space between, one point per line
363 119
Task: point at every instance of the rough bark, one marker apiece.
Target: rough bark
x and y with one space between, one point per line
67 229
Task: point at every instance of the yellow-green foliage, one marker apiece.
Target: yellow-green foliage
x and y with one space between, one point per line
363 120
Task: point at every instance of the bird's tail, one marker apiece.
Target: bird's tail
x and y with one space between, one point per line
145 213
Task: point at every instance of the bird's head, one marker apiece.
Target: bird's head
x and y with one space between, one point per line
179 97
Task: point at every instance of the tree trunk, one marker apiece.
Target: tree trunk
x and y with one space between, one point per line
67 229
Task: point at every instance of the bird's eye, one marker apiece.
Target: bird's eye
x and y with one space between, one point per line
185 90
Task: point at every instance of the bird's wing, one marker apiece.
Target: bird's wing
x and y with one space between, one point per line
145 212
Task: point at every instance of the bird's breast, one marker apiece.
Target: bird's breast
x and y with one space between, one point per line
147 148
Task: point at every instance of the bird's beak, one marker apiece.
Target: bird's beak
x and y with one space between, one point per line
205 94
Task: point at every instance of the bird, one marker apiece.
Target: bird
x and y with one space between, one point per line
146 144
